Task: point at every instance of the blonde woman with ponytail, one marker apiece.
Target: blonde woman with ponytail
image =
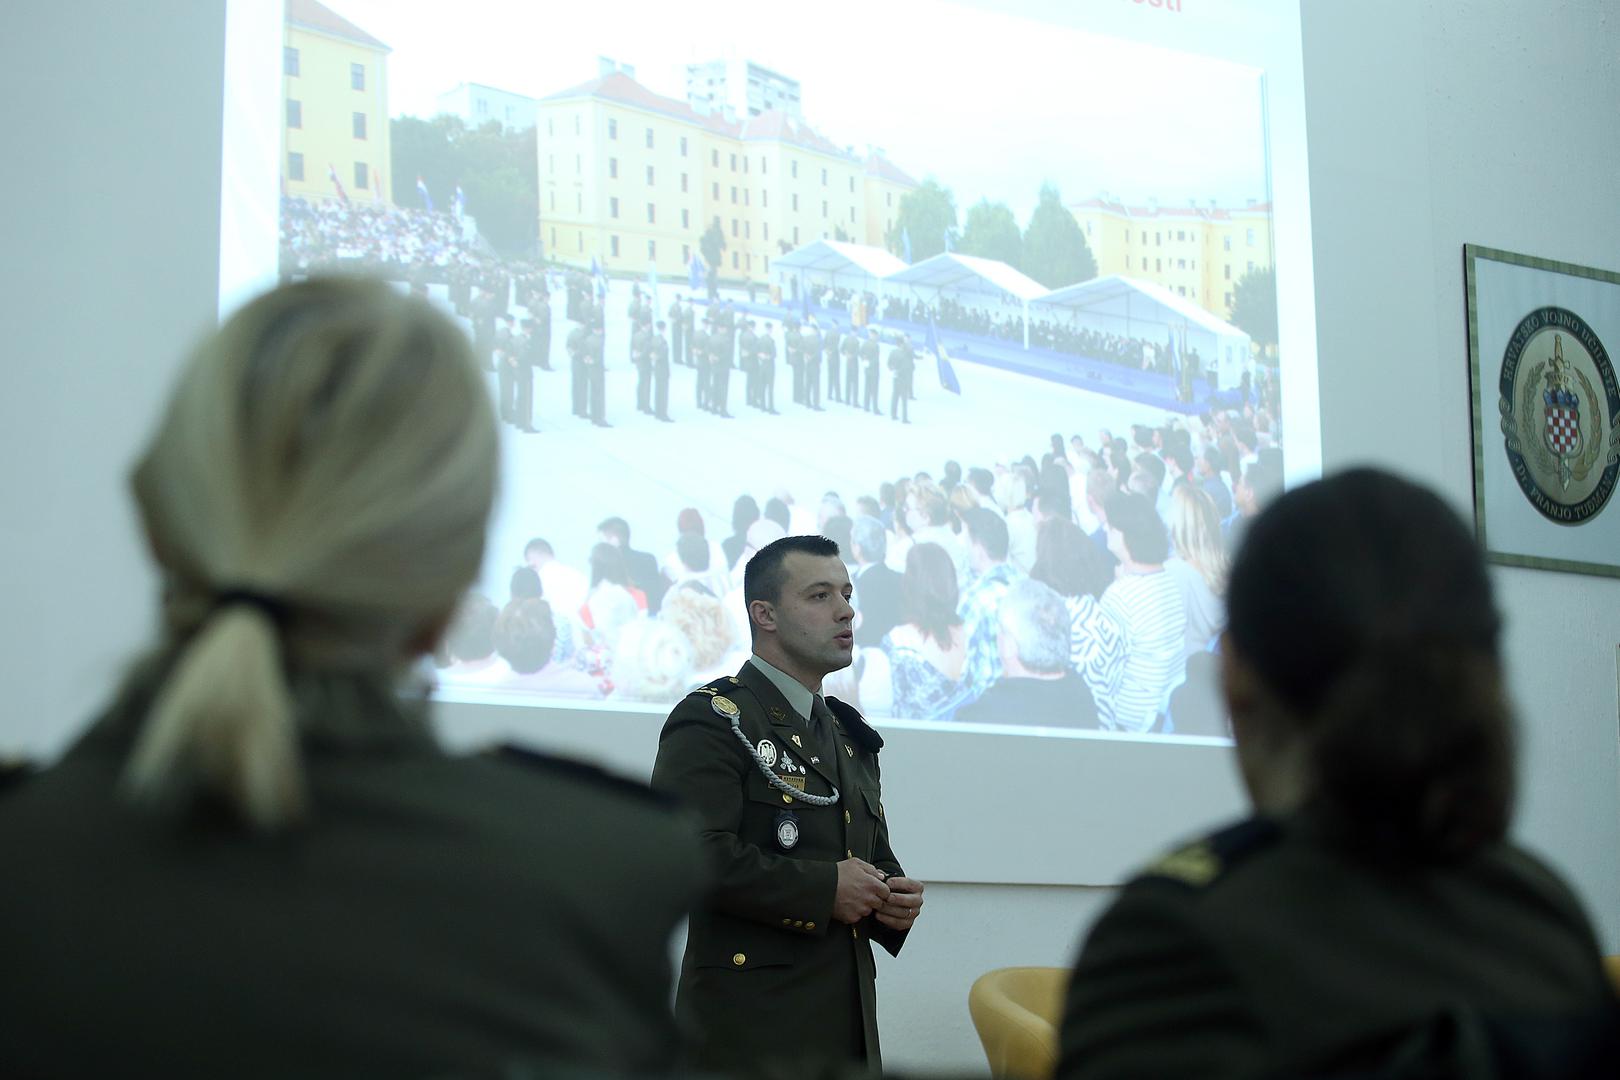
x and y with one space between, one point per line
258 861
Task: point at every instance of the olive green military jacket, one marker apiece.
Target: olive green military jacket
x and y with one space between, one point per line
438 916
1261 951
768 975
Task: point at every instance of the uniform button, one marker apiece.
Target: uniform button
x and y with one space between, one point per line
809 926
848 854
798 922
846 817
787 922
740 959
855 932
787 798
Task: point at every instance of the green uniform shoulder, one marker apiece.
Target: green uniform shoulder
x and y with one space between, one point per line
863 734
564 768
1205 862
14 772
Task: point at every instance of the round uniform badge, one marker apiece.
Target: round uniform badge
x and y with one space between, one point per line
1559 404
787 830
767 752
725 707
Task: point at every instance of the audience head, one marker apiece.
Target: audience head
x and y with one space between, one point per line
1195 534
1034 637
653 660
987 535
1070 561
525 635
688 521
1147 475
928 593
1010 491
693 551
472 632
608 565
744 512
868 539
615 531
702 623
838 529
776 510
538 552
982 481
526 584
1260 481
1135 533
317 495
1362 672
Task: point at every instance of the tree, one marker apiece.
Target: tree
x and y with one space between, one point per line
1254 305
1055 249
926 216
498 172
713 244
992 231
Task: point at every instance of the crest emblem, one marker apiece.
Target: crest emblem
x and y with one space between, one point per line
767 752
1559 404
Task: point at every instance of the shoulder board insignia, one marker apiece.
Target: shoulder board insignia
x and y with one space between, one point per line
725 707
1203 862
1195 865
706 690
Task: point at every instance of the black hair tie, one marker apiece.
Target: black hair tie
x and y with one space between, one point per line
272 609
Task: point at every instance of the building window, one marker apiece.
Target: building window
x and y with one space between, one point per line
733 162
652 249
795 198
767 264
1227 275
482 107
748 232
762 169
357 76
613 206
1181 264
553 206
551 129
852 185
649 139
1251 237
613 168
714 158
686 254
579 237
554 237
295 166
823 177
793 169
1144 262
733 227
362 176
765 228
359 125
1251 268
1226 243
764 198
733 196
888 198
686 219
613 246
651 216
649 176
734 260
795 236
579 203
1228 301
1181 234
289 60
576 132
579 165
1182 289
683 146
745 164
1158 266
745 196
823 207
683 183
717 190
1158 239
295 113
551 163
613 128
852 213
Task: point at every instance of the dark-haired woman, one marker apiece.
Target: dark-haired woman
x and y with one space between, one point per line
1372 910
928 648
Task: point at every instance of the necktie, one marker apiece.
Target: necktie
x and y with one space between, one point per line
822 720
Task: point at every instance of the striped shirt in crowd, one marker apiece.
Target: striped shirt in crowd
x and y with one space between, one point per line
1153 618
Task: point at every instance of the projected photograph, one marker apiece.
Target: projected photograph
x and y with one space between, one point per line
989 301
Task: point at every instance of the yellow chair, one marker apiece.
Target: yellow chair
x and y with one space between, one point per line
1017 1012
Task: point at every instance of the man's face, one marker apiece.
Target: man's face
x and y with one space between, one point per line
813 615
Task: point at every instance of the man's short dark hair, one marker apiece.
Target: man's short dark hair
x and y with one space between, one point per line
987 530
693 551
764 576
537 544
981 480
1138 522
776 510
472 633
616 527
838 529
1181 457
525 634
868 535
526 584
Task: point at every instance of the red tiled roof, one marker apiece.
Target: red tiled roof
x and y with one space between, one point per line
884 169
621 88
773 125
317 16
1218 213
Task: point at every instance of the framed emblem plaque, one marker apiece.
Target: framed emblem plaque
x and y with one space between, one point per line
1546 411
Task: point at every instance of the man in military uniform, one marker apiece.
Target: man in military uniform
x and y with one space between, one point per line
851 348
596 375
719 368
745 360
830 344
660 373
869 353
540 334
698 346
779 962
677 332
793 353
811 348
902 361
765 364
577 374
641 356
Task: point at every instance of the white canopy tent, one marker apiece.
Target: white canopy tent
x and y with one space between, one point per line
1130 307
835 263
966 278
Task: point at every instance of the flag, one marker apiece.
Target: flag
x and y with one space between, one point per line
949 245
332 172
947 374
421 189
461 202
905 244
601 279
695 276
1170 348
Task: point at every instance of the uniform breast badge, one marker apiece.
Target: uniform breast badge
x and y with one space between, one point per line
787 830
1559 400
766 751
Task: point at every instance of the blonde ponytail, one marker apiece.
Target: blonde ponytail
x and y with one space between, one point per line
224 720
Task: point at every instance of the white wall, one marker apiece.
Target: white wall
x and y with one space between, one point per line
1487 121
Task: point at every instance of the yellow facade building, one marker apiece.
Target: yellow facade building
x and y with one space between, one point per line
1200 252
634 179
334 79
